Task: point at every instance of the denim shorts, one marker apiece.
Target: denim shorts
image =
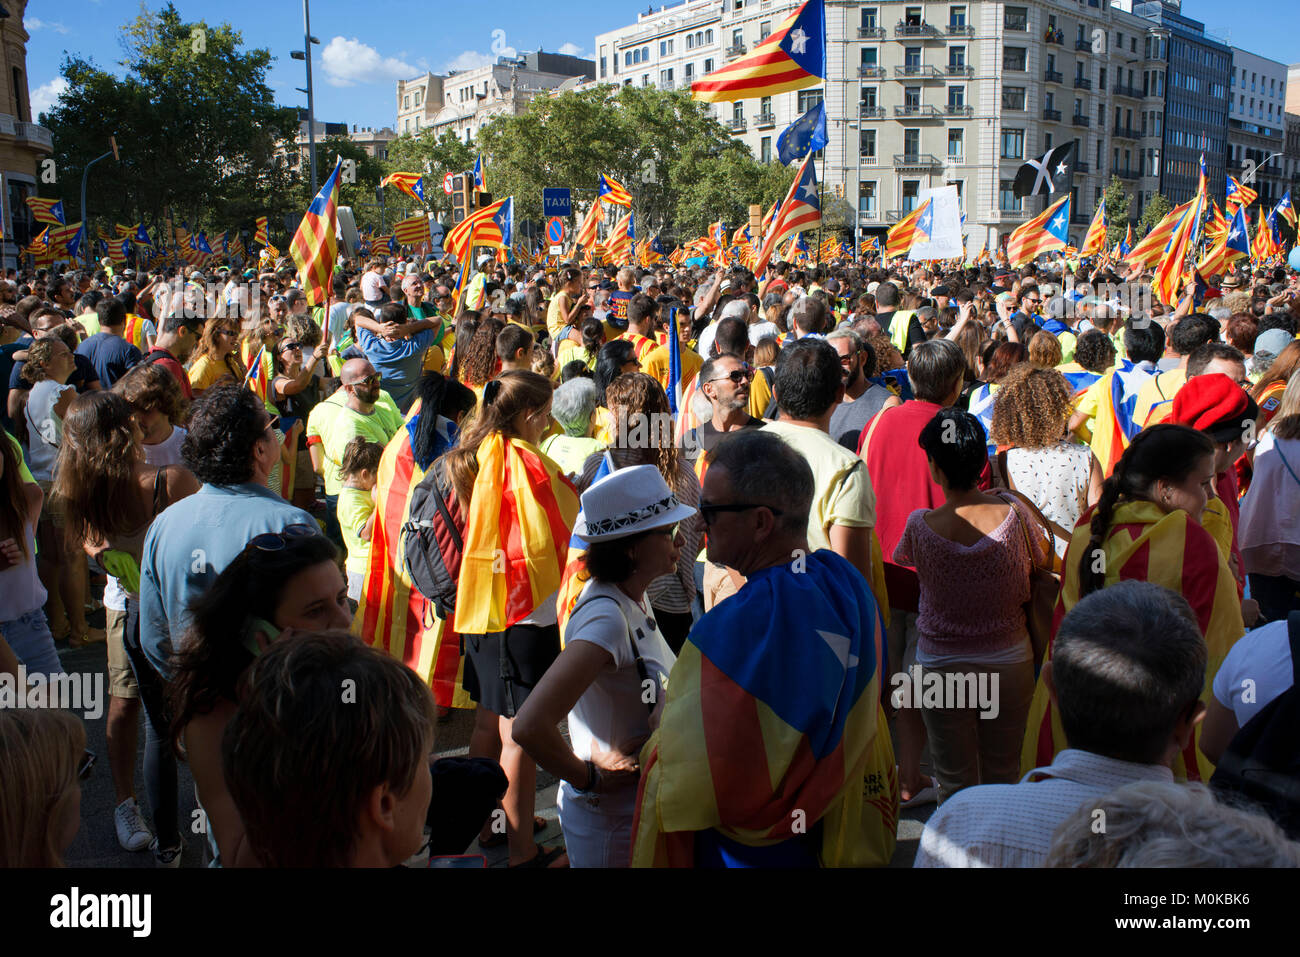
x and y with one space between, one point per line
29 637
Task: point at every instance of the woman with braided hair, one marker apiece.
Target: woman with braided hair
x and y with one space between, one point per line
1146 527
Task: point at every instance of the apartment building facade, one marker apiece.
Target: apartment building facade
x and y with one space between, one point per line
1257 123
923 94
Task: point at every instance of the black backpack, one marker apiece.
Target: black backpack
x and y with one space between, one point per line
433 540
1262 762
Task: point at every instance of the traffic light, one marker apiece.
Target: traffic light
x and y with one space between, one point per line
482 200
461 186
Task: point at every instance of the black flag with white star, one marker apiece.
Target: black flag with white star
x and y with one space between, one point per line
1050 173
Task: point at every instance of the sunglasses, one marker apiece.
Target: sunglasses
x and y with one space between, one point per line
272 424
743 374
368 380
87 765
277 541
291 347
710 512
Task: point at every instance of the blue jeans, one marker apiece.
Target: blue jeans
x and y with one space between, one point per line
29 637
159 758
333 530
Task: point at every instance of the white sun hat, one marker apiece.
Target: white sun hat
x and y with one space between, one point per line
628 502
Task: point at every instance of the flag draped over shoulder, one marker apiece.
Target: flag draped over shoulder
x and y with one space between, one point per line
392 614
1115 426
786 720
792 58
1047 232
315 245
516 537
575 575
1166 548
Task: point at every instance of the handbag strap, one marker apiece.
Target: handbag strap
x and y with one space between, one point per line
1277 447
641 670
1047 524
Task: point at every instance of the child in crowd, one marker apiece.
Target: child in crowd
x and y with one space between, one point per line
356 509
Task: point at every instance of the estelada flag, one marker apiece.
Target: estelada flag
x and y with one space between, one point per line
1047 232
412 184
620 240
899 238
800 209
520 518
392 614
315 246
783 729
490 226
1169 273
1238 195
1146 543
413 231
258 378
1114 424
1094 241
586 237
792 58
46 210
609 190
1151 247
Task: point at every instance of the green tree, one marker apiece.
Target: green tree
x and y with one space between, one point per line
195 122
1156 209
1118 205
360 194
433 158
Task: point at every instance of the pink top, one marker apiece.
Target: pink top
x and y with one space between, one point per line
972 596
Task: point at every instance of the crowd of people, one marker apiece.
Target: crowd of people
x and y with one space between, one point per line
748 564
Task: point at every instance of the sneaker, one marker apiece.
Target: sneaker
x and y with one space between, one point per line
132 832
170 857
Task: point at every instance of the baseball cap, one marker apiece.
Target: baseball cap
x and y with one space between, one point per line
1215 405
1269 345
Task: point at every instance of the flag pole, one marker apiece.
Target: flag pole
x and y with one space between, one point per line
821 218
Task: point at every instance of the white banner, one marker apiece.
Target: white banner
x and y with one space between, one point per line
945 234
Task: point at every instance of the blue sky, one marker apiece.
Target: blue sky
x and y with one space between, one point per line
360 57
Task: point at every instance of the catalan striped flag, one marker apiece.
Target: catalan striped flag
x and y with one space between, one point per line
519 522
1286 210
1169 273
792 58
490 226
46 210
1151 247
259 235
1094 240
1261 246
903 233
761 736
392 614
1233 245
315 246
620 240
413 231
1047 232
480 174
653 251
1146 543
412 184
1217 227
575 575
586 235
611 192
1238 195
258 380
800 209
237 247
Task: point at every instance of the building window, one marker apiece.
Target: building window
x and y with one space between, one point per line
956 144
1013 98
690 41
602 68
708 37
406 102
765 149
912 96
869 18
1013 58
869 56
911 192
912 142
807 100
957 16
912 56
708 65
1016 18
867 144
869 95
764 29
1008 201
956 96
957 57
867 197
419 97
1013 144
765 106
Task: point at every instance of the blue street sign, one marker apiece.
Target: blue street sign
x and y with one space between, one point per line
556 201
555 231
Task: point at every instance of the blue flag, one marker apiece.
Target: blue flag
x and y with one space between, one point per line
805 135
674 363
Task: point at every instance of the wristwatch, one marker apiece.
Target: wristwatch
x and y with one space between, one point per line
593 780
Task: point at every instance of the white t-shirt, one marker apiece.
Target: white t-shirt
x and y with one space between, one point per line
1258 667
166 452
611 714
372 286
44 427
704 345
760 329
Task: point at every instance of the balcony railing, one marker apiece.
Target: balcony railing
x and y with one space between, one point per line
1051 76
1132 92
919 71
958 69
1085 45
960 30
871 70
1053 115
1124 172
737 124
1082 83
765 121
871 33
1058 38
737 49
916 161
1082 167
958 109
1080 120
922 30
1127 133
868 215
33 133
871 112
920 111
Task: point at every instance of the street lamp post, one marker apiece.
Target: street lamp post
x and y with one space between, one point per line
85 174
305 55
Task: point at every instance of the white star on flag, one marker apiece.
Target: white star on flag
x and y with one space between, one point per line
809 190
1060 169
1059 221
839 646
799 41
1235 234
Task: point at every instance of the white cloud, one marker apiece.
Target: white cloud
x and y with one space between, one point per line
349 62
47 94
570 49
472 59
32 24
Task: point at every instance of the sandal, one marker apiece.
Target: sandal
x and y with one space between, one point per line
93 636
543 858
498 840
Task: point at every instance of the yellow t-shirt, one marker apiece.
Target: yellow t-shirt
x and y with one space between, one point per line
842 492
205 372
333 425
655 365
760 395
554 323
1156 390
354 509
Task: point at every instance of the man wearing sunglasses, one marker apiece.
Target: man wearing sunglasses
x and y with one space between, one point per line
1028 303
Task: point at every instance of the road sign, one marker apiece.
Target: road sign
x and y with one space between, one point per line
555 230
448 184
556 201
559 250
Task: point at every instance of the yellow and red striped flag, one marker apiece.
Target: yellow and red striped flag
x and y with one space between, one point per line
1151 247
620 240
792 58
586 236
904 233
412 184
1094 241
521 516
800 210
1045 233
413 231
490 226
259 236
609 190
1169 273
1218 224
1238 195
315 245
1261 246
46 210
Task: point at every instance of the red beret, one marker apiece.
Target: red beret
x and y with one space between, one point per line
1215 405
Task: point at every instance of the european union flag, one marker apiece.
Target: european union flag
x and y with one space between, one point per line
805 135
